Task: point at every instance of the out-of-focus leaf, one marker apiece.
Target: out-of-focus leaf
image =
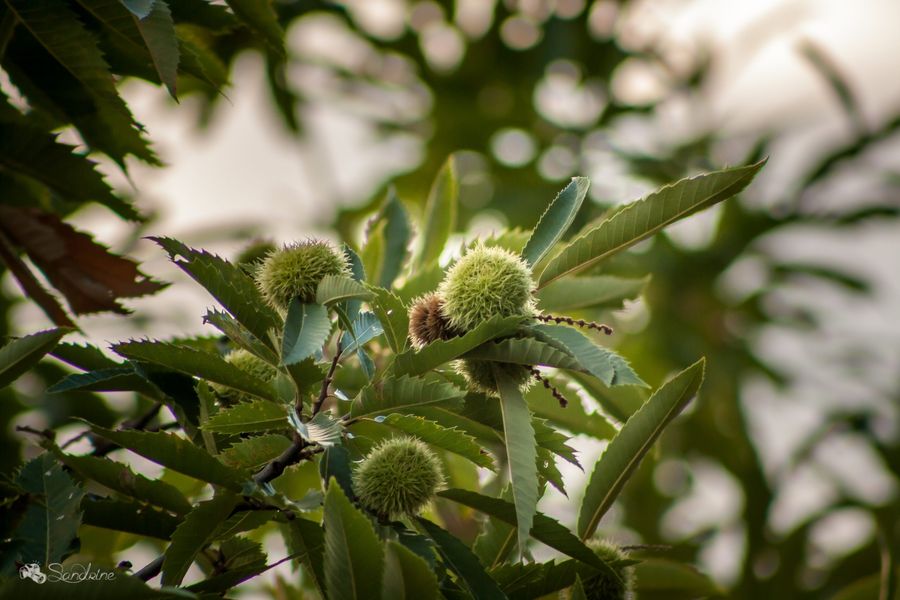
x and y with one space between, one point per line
624 453
573 417
139 8
401 393
336 464
521 454
322 429
120 478
50 524
556 220
249 417
440 215
255 451
261 17
643 218
396 231
577 592
618 402
415 362
447 438
354 559
307 539
190 361
90 277
197 529
460 559
123 586
20 354
660 578
407 576
228 284
238 334
598 291
177 454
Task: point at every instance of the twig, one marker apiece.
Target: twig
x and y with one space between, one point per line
553 389
579 323
151 570
323 393
45 433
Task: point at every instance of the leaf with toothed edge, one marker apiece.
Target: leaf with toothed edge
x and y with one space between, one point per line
306 329
556 220
197 529
20 354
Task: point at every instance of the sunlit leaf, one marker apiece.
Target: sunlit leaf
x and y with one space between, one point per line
556 220
249 417
440 215
20 354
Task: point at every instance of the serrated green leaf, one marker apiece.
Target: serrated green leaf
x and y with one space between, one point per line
307 540
83 356
556 220
306 328
261 18
447 438
643 218
463 562
599 291
120 478
354 558
197 363
158 31
625 451
248 417
604 364
336 464
238 334
197 530
573 417
119 379
407 576
577 592
545 529
50 524
393 315
228 284
32 152
255 451
440 215
525 351
338 288
521 452
416 362
129 516
177 454
20 354
55 27
402 393
549 472
397 232
497 539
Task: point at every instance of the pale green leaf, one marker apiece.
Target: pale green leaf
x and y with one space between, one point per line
262 18
415 362
393 315
447 438
440 214
193 534
255 451
354 558
322 429
306 328
338 288
624 453
366 327
521 452
20 354
556 220
604 364
248 417
525 351
645 217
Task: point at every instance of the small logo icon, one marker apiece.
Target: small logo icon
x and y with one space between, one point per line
32 571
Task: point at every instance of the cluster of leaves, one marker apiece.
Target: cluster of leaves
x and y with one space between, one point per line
346 379
64 58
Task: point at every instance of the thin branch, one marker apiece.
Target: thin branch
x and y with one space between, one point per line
326 383
151 570
45 433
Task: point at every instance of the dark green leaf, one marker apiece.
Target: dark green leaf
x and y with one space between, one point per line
399 393
307 540
249 417
255 451
465 564
625 451
261 17
556 220
177 454
129 516
354 557
195 532
20 354
599 291
305 330
407 576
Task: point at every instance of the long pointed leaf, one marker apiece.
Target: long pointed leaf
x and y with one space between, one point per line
305 330
440 214
21 354
521 452
556 220
624 453
197 529
643 218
